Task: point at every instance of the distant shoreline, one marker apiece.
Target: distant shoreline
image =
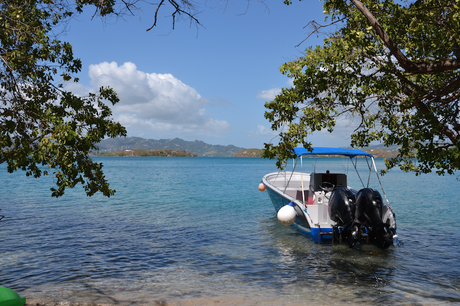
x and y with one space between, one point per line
253 153
148 153
377 153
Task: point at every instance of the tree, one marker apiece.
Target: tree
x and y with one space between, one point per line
390 66
42 124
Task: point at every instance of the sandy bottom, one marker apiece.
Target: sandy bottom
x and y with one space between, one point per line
224 301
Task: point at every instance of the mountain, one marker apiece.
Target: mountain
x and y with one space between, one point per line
146 153
249 153
393 148
198 147
379 151
201 148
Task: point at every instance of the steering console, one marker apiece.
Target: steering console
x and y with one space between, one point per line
327 186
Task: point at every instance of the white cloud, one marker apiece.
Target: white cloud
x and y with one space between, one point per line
152 103
340 137
77 88
268 94
262 131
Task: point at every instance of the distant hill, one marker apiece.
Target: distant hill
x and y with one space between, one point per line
379 151
249 153
201 148
147 153
393 148
197 147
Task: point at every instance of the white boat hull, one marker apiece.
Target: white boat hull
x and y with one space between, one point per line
312 219
313 212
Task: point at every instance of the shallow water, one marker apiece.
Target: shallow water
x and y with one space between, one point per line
196 231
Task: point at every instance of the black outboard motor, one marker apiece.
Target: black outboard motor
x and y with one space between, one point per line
369 207
342 211
342 206
368 219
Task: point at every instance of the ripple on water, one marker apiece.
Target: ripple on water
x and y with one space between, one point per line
197 231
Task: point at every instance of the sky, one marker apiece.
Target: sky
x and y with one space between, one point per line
207 83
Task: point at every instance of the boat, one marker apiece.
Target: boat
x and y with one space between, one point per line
321 205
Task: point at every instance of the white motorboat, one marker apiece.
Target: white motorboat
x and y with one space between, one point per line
321 205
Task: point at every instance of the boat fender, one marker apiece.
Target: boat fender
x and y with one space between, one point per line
287 215
262 187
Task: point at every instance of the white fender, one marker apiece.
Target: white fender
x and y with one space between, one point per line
286 215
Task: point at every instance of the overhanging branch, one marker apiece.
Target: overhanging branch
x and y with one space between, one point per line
316 27
406 64
177 11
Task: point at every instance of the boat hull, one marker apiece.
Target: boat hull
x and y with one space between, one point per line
313 216
322 206
302 225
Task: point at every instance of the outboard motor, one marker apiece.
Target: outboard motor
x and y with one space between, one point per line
369 207
368 218
342 206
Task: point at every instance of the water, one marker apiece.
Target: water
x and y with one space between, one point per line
197 231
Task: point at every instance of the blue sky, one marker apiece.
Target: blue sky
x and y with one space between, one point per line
208 83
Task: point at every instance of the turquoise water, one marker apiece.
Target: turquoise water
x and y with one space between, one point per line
197 231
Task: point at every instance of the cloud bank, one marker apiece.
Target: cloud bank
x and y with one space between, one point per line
155 105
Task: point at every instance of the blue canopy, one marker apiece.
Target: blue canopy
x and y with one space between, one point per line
331 151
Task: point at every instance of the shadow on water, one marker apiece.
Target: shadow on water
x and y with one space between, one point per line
331 272
404 274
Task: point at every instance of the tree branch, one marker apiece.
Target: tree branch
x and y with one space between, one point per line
316 27
177 10
156 15
406 64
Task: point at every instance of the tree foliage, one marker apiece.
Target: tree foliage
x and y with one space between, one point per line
392 67
43 126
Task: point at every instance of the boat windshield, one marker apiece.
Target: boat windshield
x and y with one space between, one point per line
330 167
359 176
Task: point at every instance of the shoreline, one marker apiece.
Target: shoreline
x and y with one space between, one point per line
221 301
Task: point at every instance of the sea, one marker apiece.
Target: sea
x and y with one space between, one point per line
197 231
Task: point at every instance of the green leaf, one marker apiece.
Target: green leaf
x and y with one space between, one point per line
354 77
40 123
